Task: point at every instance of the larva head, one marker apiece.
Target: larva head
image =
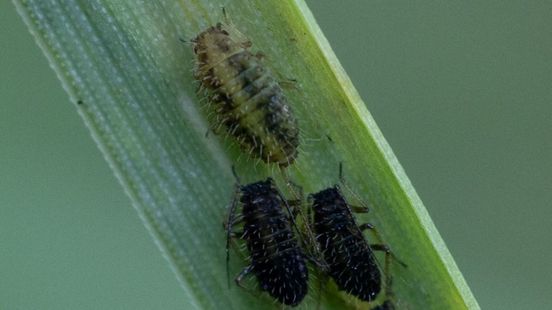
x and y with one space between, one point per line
261 188
218 42
328 198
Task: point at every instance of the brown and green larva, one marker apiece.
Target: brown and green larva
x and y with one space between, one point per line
247 99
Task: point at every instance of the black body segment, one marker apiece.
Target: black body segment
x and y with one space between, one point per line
277 261
351 262
247 99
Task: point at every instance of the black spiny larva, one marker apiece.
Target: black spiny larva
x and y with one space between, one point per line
277 261
247 99
350 260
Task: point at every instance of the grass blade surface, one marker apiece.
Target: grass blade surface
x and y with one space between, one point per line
130 77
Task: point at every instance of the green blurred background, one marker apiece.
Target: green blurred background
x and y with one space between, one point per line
462 91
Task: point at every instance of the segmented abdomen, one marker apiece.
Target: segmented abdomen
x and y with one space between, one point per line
350 260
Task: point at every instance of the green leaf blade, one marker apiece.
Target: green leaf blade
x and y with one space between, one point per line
124 61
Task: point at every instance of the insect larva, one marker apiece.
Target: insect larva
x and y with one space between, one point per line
247 99
350 260
277 261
